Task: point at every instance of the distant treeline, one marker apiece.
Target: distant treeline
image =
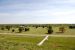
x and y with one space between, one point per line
37 24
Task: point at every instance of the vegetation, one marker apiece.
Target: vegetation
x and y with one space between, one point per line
2 28
22 42
14 42
26 29
10 42
20 30
50 30
8 28
62 29
62 43
13 30
36 28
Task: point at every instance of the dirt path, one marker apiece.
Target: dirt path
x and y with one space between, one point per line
38 35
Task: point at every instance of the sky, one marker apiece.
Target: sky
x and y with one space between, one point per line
37 11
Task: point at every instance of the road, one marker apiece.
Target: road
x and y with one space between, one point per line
51 35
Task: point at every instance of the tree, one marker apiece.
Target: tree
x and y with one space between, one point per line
8 27
20 30
2 28
13 30
26 29
43 26
50 30
36 26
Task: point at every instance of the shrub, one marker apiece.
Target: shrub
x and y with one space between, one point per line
8 28
26 29
20 30
50 27
43 26
61 29
13 30
71 27
50 30
36 26
2 28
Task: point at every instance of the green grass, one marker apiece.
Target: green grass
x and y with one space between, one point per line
60 43
32 30
41 30
14 42
18 42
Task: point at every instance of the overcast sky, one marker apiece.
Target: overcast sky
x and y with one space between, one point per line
37 11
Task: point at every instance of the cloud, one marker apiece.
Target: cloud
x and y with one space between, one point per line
37 11
40 16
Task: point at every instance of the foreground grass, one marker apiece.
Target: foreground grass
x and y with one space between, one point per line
60 43
10 42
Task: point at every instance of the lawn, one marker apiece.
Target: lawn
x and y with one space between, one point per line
17 42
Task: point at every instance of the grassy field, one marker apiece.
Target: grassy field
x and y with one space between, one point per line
62 43
10 42
32 30
41 30
23 42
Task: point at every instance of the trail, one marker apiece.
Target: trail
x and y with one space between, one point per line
51 35
43 40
